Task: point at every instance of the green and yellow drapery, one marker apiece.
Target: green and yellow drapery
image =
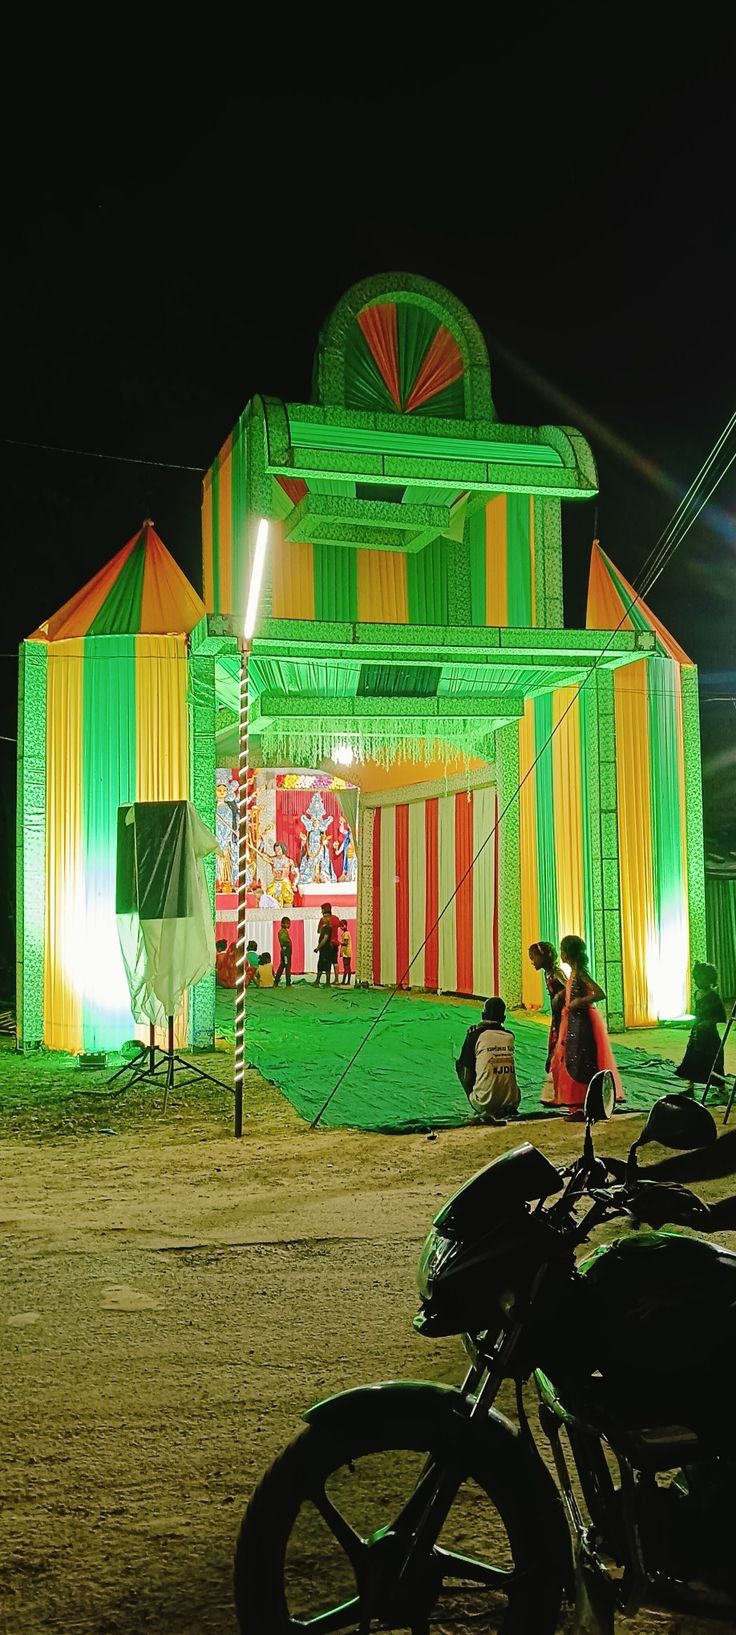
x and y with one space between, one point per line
651 805
339 584
116 731
557 836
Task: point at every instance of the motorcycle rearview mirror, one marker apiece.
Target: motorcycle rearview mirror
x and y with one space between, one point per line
678 1122
600 1098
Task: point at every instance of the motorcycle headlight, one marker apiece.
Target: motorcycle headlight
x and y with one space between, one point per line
437 1251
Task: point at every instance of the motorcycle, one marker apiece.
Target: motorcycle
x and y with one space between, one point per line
624 1348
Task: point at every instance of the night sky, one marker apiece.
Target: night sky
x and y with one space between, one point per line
154 284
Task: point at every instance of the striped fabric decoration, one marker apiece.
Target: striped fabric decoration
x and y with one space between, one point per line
421 849
652 814
331 582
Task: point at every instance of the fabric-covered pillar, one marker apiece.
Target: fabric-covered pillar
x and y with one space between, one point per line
203 767
30 878
364 935
601 800
509 864
548 564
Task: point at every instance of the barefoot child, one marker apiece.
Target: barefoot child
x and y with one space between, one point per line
346 953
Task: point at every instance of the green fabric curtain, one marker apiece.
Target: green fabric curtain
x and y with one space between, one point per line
475 534
415 329
121 609
335 583
546 877
518 558
426 584
720 908
109 781
587 726
365 386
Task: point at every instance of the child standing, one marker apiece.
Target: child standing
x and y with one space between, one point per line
346 953
485 1066
544 958
703 1058
285 946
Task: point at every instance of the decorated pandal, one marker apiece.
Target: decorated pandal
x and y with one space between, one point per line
434 751
300 852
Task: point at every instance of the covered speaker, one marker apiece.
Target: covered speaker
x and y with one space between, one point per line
162 905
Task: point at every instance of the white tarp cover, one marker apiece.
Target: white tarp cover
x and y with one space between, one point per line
164 917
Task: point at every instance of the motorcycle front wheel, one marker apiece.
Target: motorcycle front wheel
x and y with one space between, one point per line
323 1540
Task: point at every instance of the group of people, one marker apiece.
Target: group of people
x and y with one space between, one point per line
577 1048
578 1045
334 945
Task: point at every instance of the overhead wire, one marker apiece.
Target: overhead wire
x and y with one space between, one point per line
654 565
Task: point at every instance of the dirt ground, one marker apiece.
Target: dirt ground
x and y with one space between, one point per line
170 1300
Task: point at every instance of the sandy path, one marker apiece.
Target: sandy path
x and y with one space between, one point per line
169 1303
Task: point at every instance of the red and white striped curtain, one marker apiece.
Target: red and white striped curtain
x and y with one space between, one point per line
421 850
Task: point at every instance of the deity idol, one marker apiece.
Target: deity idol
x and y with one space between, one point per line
315 867
226 829
285 876
345 848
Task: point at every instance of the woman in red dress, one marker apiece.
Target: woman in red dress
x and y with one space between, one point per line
583 1047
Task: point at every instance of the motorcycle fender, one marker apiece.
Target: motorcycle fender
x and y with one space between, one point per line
390 1400
493 1436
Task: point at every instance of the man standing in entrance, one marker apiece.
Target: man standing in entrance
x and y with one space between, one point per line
328 934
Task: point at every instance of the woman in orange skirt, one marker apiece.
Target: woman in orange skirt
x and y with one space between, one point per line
583 1047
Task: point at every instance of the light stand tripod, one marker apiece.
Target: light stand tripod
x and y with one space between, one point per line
711 1075
154 1063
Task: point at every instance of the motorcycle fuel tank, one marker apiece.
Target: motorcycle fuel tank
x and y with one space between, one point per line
660 1313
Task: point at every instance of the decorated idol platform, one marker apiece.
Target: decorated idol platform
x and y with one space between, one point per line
301 853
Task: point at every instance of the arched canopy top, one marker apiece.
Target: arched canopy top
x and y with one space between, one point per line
401 344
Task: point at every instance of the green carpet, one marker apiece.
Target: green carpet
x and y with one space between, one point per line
302 1038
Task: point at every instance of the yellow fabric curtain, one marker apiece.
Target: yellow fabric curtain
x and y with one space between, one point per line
531 989
382 592
497 595
162 757
225 528
635 841
162 749
207 567
567 784
65 953
292 577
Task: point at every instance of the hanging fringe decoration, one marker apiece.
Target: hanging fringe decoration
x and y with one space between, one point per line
381 741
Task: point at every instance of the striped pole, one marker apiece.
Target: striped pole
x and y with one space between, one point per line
244 802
